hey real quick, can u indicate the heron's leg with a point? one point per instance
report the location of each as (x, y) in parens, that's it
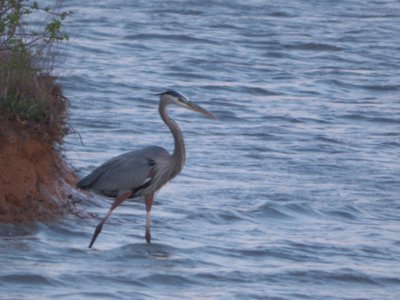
(149, 202)
(120, 198)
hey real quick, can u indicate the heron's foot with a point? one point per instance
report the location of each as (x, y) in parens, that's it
(148, 237)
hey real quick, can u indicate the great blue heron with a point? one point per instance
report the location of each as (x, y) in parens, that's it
(142, 172)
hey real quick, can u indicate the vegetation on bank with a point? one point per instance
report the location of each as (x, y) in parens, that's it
(35, 182)
(29, 94)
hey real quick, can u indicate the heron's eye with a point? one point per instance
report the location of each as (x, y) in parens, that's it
(181, 100)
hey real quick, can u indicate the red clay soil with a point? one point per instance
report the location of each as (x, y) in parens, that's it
(34, 179)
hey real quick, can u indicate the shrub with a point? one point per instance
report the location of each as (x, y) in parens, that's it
(28, 93)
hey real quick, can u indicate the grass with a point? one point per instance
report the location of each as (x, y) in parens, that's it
(30, 97)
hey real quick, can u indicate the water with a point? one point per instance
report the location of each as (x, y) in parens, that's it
(292, 194)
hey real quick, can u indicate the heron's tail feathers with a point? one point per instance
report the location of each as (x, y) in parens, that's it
(88, 181)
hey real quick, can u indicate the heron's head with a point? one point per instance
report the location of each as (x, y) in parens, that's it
(173, 97)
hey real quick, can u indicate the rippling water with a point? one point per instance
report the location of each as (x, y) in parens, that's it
(293, 194)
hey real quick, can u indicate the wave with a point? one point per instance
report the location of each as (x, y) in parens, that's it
(169, 37)
(312, 47)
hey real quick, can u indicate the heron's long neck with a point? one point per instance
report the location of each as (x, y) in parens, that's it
(178, 156)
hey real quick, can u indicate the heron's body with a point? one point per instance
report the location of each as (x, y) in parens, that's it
(141, 172)
(134, 172)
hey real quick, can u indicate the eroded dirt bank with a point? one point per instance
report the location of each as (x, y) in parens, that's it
(35, 182)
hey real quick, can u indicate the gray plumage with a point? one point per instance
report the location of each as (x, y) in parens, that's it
(142, 172)
(127, 172)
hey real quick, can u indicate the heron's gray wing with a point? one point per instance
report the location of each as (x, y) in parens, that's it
(125, 172)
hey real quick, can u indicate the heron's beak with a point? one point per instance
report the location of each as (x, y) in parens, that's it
(193, 106)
